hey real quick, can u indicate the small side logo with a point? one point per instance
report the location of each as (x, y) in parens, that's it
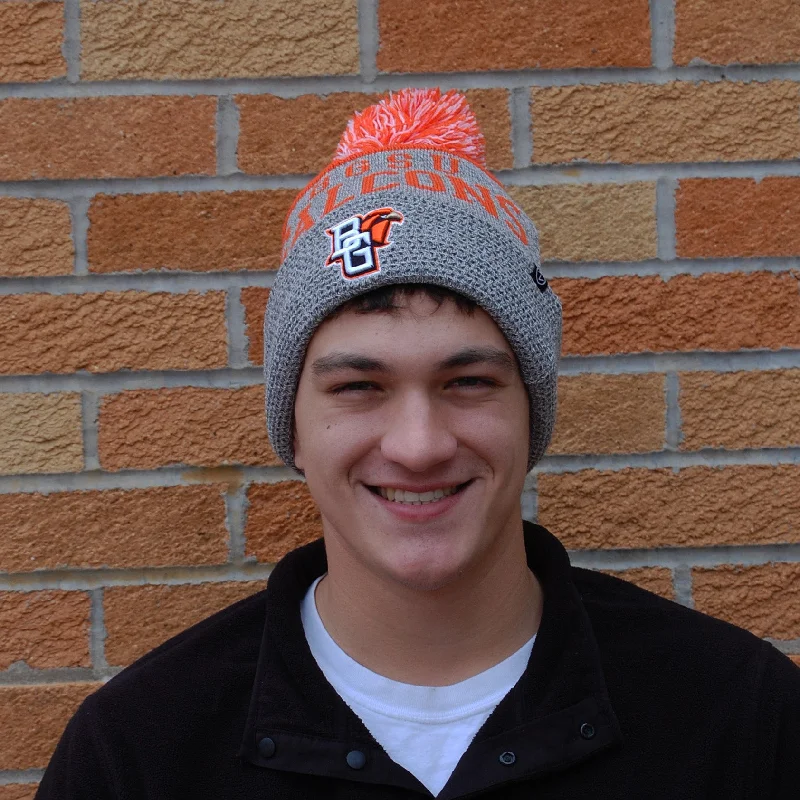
(539, 279)
(355, 241)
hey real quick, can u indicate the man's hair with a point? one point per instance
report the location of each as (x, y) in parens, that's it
(388, 298)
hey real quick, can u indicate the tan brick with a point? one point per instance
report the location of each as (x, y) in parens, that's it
(737, 217)
(35, 237)
(105, 137)
(655, 579)
(148, 428)
(713, 311)
(30, 41)
(139, 618)
(197, 232)
(610, 414)
(728, 32)
(40, 433)
(32, 719)
(44, 629)
(695, 507)
(198, 39)
(254, 300)
(740, 409)
(796, 660)
(162, 526)
(281, 516)
(18, 791)
(592, 222)
(437, 36)
(112, 331)
(678, 121)
(765, 599)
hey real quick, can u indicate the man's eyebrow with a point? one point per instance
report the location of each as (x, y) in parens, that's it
(334, 362)
(479, 355)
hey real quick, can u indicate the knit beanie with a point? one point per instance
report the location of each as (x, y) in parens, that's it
(408, 199)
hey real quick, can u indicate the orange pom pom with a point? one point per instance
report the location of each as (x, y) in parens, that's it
(416, 118)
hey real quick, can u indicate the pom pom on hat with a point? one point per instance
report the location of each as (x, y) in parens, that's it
(416, 118)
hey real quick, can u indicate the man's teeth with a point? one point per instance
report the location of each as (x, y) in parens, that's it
(401, 496)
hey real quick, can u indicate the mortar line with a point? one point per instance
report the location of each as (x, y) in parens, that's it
(672, 434)
(368, 40)
(41, 677)
(90, 409)
(665, 218)
(9, 777)
(519, 106)
(227, 127)
(235, 515)
(662, 21)
(665, 269)
(238, 342)
(97, 636)
(71, 47)
(683, 585)
(79, 223)
(790, 647)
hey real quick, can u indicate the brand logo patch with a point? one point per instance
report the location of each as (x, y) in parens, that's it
(355, 241)
(539, 279)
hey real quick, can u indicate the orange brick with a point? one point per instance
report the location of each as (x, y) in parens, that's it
(281, 517)
(740, 409)
(695, 507)
(105, 137)
(713, 311)
(148, 428)
(139, 618)
(500, 34)
(112, 331)
(796, 660)
(610, 414)
(30, 41)
(592, 222)
(655, 579)
(44, 629)
(197, 232)
(728, 32)
(765, 599)
(679, 121)
(722, 217)
(18, 791)
(41, 433)
(254, 300)
(300, 135)
(32, 719)
(162, 526)
(35, 236)
(198, 39)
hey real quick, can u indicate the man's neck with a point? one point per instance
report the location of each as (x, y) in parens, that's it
(433, 638)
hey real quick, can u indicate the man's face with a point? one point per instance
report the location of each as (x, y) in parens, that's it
(425, 400)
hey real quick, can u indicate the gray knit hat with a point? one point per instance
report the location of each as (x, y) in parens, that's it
(408, 200)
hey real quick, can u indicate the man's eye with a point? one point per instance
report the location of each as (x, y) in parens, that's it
(354, 386)
(473, 381)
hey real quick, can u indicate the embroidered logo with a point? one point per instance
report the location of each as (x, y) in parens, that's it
(355, 241)
(539, 279)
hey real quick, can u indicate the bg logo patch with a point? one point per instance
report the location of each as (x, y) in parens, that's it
(355, 241)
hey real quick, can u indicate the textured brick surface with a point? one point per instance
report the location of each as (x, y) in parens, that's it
(112, 331)
(678, 121)
(728, 31)
(695, 507)
(722, 311)
(740, 409)
(254, 299)
(280, 517)
(447, 36)
(300, 135)
(163, 526)
(765, 599)
(105, 137)
(198, 39)
(655, 579)
(18, 791)
(592, 222)
(609, 414)
(44, 629)
(197, 232)
(34, 237)
(147, 428)
(30, 42)
(40, 433)
(796, 660)
(139, 618)
(737, 217)
(32, 719)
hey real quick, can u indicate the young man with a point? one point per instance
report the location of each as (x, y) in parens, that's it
(434, 644)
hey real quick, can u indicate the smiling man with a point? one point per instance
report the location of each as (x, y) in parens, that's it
(433, 643)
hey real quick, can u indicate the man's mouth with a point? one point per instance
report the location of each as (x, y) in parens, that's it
(417, 498)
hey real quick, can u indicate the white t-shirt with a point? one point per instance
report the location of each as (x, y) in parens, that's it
(425, 729)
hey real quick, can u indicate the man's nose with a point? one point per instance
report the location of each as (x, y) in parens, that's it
(417, 435)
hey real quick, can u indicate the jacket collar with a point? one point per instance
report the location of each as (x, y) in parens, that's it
(558, 714)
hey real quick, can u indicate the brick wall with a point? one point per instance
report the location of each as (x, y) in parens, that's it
(148, 154)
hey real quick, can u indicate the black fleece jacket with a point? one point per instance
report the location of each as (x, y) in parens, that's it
(626, 695)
